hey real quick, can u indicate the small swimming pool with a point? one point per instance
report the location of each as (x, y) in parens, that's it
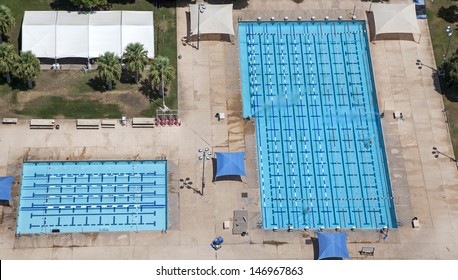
(92, 196)
(321, 158)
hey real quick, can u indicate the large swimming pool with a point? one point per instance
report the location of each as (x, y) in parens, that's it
(92, 196)
(321, 159)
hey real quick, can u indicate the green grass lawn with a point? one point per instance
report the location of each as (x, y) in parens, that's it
(443, 13)
(53, 106)
(78, 84)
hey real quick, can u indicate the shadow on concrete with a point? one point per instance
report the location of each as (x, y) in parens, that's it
(186, 183)
(316, 249)
(371, 23)
(238, 4)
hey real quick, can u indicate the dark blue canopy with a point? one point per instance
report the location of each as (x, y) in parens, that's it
(230, 164)
(5, 187)
(332, 245)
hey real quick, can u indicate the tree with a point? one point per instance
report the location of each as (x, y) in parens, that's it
(89, 3)
(109, 69)
(8, 58)
(7, 21)
(27, 67)
(136, 59)
(450, 68)
(161, 72)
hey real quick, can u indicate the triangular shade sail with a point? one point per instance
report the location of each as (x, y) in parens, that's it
(5, 187)
(213, 19)
(230, 164)
(395, 18)
(332, 245)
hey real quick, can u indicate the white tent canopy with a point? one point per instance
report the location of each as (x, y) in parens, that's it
(211, 19)
(63, 34)
(395, 18)
(41, 33)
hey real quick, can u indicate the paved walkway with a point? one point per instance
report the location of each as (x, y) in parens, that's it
(209, 82)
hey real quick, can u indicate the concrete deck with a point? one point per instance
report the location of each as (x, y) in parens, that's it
(209, 82)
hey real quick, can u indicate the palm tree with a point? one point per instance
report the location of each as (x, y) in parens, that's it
(108, 68)
(162, 72)
(27, 67)
(136, 59)
(8, 58)
(7, 21)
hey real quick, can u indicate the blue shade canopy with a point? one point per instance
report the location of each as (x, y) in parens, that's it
(230, 164)
(5, 187)
(332, 245)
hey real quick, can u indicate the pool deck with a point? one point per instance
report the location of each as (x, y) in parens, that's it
(423, 186)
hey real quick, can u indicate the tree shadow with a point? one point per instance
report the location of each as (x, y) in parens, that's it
(5, 38)
(238, 4)
(63, 5)
(16, 84)
(152, 93)
(451, 93)
(128, 77)
(97, 84)
(449, 14)
(122, 2)
(170, 4)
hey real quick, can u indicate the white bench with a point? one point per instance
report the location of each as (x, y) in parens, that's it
(87, 124)
(367, 251)
(108, 123)
(143, 122)
(9, 121)
(42, 123)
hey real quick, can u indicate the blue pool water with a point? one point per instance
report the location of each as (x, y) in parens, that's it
(92, 196)
(321, 159)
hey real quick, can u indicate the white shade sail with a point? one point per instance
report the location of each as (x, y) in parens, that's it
(213, 19)
(395, 18)
(61, 34)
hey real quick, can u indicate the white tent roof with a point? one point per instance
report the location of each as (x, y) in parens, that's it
(105, 33)
(395, 18)
(38, 30)
(213, 19)
(138, 27)
(72, 34)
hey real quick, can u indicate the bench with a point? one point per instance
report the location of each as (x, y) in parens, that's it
(87, 124)
(367, 251)
(42, 123)
(143, 122)
(9, 121)
(108, 123)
